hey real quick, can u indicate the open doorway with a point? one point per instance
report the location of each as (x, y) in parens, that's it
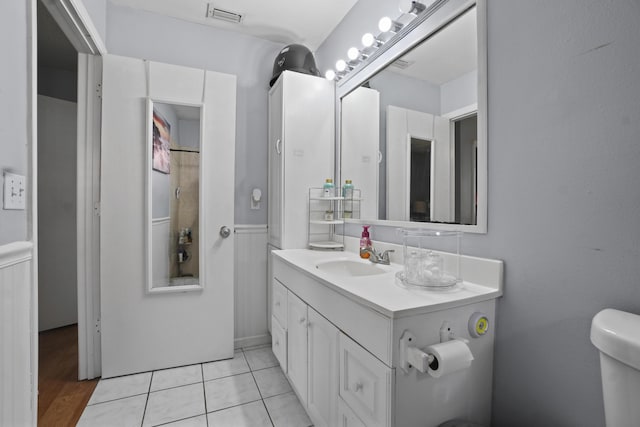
(61, 106)
(420, 180)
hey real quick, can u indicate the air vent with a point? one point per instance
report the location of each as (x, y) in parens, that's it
(224, 15)
(402, 64)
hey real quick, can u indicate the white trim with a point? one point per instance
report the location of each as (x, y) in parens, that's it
(15, 253)
(88, 219)
(460, 113)
(252, 341)
(32, 187)
(250, 228)
(75, 22)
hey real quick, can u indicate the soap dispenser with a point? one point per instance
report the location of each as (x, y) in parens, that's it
(365, 242)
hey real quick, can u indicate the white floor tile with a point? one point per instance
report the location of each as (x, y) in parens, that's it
(200, 421)
(174, 404)
(117, 388)
(225, 368)
(271, 381)
(176, 377)
(251, 414)
(122, 413)
(230, 391)
(286, 411)
(261, 358)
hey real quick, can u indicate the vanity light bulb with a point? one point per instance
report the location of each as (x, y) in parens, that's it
(353, 53)
(384, 24)
(330, 75)
(341, 65)
(367, 40)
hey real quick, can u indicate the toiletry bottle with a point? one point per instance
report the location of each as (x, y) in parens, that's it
(365, 241)
(347, 189)
(328, 188)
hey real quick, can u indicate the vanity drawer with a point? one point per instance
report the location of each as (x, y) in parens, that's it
(346, 417)
(279, 342)
(279, 303)
(365, 383)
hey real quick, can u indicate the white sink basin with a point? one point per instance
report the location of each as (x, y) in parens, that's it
(351, 268)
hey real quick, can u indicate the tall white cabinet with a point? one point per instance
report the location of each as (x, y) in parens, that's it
(301, 155)
(301, 147)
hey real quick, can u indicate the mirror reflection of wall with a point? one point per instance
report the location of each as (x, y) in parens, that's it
(175, 195)
(427, 106)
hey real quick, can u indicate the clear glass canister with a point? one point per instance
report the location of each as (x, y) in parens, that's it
(431, 258)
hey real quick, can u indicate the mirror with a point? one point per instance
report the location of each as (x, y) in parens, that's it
(174, 196)
(413, 125)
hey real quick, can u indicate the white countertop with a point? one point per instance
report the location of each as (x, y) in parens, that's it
(382, 293)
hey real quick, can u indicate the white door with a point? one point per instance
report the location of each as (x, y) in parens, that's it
(144, 330)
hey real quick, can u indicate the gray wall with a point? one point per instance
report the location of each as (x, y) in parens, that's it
(13, 111)
(564, 196)
(147, 35)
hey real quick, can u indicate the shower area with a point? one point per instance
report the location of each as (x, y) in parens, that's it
(176, 195)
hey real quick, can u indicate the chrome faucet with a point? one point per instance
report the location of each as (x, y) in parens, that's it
(377, 257)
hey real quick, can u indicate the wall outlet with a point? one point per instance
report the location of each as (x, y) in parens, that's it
(15, 191)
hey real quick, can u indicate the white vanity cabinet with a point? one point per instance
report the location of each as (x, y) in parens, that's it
(301, 147)
(343, 339)
(307, 351)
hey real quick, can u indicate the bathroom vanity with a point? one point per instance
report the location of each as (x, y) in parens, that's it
(339, 330)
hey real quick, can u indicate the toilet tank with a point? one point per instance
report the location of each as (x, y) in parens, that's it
(617, 335)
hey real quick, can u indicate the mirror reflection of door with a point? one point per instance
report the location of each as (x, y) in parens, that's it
(175, 195)
(420, 180)
(466, 147)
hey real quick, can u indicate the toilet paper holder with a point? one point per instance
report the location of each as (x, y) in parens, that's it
(412, 356)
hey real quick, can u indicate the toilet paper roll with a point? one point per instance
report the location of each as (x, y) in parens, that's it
(449, 356)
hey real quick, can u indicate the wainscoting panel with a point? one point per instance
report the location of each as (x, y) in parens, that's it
(251, 285)
(15, 335)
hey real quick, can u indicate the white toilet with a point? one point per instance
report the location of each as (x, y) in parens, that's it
(617, 335)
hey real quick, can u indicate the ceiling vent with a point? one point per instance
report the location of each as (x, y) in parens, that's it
(224, 15)
(402, 64)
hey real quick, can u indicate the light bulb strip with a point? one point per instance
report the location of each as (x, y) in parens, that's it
(389, 29)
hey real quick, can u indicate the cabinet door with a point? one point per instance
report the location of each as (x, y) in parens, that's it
(365, 383)
(297, 345)
(322, 399)
(276, 163)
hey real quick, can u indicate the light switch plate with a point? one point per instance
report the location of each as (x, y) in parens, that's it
(15, 191)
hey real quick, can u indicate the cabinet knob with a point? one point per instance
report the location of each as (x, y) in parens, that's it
(279, 146)
(302, 320)
(358, 387)
(277, 343)
(277, 303)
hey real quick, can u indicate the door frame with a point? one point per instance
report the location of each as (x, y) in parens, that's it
(75, 22)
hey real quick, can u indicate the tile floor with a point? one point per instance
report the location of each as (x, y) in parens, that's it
(249, 390)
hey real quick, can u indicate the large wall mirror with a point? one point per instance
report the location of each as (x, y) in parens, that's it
(174, 204)
(413, 123)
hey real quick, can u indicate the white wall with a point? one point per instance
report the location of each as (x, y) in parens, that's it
(57, 285)
(13, 110)
(564, 195)
(147, 35)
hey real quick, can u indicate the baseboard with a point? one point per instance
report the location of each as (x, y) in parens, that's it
(252, 341)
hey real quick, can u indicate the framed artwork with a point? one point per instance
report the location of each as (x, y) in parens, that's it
(161, 138)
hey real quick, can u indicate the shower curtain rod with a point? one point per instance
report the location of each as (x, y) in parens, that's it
(184, 151)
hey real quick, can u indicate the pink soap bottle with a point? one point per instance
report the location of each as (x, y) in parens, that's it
(365, 242)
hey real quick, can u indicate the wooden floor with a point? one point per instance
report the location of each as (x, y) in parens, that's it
(61, 397)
